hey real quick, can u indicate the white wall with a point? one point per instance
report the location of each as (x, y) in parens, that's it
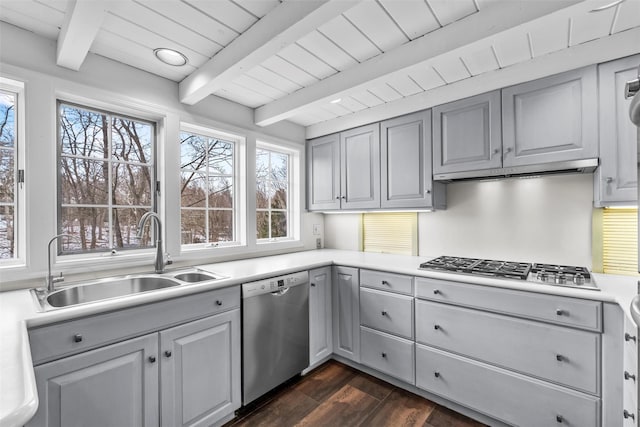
(546, 219)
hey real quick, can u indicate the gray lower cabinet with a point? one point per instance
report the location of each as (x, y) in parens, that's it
(551, 119)
(320, 315)
(112, 386)
(615, 181)
(200, 371)
(406, 165)
(630, 385)
(178, 369)
(346, 312)
(467, 134)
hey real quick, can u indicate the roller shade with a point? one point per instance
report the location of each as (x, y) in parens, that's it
(393, 233)
(620, 241)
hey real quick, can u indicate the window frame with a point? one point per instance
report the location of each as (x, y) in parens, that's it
(153, 164)
(294, 183)
(17, 89)
(239, 191)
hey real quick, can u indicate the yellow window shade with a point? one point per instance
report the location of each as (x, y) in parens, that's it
(620, 241)
(393, 233)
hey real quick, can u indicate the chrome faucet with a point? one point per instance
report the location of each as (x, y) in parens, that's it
(160, 262)
(51, 281)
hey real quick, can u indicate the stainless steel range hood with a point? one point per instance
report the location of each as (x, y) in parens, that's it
(573, 166)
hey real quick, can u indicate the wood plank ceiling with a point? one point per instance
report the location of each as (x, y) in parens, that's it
(369, 54)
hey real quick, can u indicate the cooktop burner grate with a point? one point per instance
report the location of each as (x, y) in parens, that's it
(485, 267)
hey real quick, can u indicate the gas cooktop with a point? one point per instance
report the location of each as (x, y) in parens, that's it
(548, 274)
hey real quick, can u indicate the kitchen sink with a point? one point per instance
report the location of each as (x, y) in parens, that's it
(194, 277)
(110, 288)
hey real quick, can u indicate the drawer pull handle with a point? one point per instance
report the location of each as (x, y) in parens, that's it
(560, 358)
(167, 353)
(384, 282)
(560, 312)
(436, 327)
(384, 312)
(218, 302)
(628, 376)
(152, 359)
(626, 414)
(384, 355)
(436, 291)
(436, 374)
(559, 419)
(629, 337)
(77, 338)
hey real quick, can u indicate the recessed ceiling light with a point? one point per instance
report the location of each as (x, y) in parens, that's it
(607, 6)
(170, 56)
(335, 101)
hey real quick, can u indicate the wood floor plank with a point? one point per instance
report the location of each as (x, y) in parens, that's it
(324, 382)
(444, 417)
(347, 407)
(287, 409)
(401, 409)
(371, 385)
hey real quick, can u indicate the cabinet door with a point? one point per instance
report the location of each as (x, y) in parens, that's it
(360, 166)
(323, 164)
(320, 330)
(467, 134)
(346, 313)
(200, 370)
(551, 119)
(616, 178)
(111, 386)
(405, 151)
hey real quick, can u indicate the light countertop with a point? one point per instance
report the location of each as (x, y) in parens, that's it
(19, 310)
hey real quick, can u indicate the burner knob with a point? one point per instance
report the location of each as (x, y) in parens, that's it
(561, 279)
(542, 276)
(578, 279)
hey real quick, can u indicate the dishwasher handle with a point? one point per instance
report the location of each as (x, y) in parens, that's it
(280, 292)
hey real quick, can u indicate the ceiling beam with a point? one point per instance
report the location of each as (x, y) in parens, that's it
(596, 51)
(495, 19)
(80, 27)
(285, 24)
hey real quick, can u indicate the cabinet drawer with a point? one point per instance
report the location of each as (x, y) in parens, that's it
(56, 340)
(388, 354)
(387, 281)
(387, 312)
(574, 312)
(532, 348)
(507, 396)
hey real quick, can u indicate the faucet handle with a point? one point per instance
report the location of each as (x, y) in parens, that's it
(167, 259)
(58, 279)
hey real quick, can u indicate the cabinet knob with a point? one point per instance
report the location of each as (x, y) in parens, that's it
(559, 419)
(629, 337)
(218, 302)
(384, 312)
(507, 151)
(628, 376)
(152, 359)
(167, 353)
(626, 414)
(313, 285)
(560, 312)
(428, 191)
(436, 292)
(436, 327)
(608, 179)
(560, 358)
(436, 374)
(384, 355)
(344, 197)
(496, 150)
(337, 197)
(77, 338)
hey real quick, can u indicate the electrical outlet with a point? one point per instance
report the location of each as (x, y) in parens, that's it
(318, 243)
(316, 229)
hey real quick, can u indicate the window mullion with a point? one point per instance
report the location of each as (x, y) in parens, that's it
(110, 211)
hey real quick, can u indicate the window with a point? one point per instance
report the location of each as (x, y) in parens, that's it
(273, 214)
(8, 175)
(393, 233)
(619, 240)
(106, 176)
(208, 190)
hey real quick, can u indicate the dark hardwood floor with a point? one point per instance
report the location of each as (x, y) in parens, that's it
(338, 395)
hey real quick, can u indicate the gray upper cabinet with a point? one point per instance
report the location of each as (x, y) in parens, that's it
(360, 166)
(467, 134)
(323, 163)
(615, 181)
(406, 172)
(551, 119)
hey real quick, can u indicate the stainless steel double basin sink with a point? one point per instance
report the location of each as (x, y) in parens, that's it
(115, 287)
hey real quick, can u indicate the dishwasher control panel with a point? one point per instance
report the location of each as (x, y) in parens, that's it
(274, 284)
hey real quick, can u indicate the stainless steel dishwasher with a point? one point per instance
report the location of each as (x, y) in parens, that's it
(275, 332)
